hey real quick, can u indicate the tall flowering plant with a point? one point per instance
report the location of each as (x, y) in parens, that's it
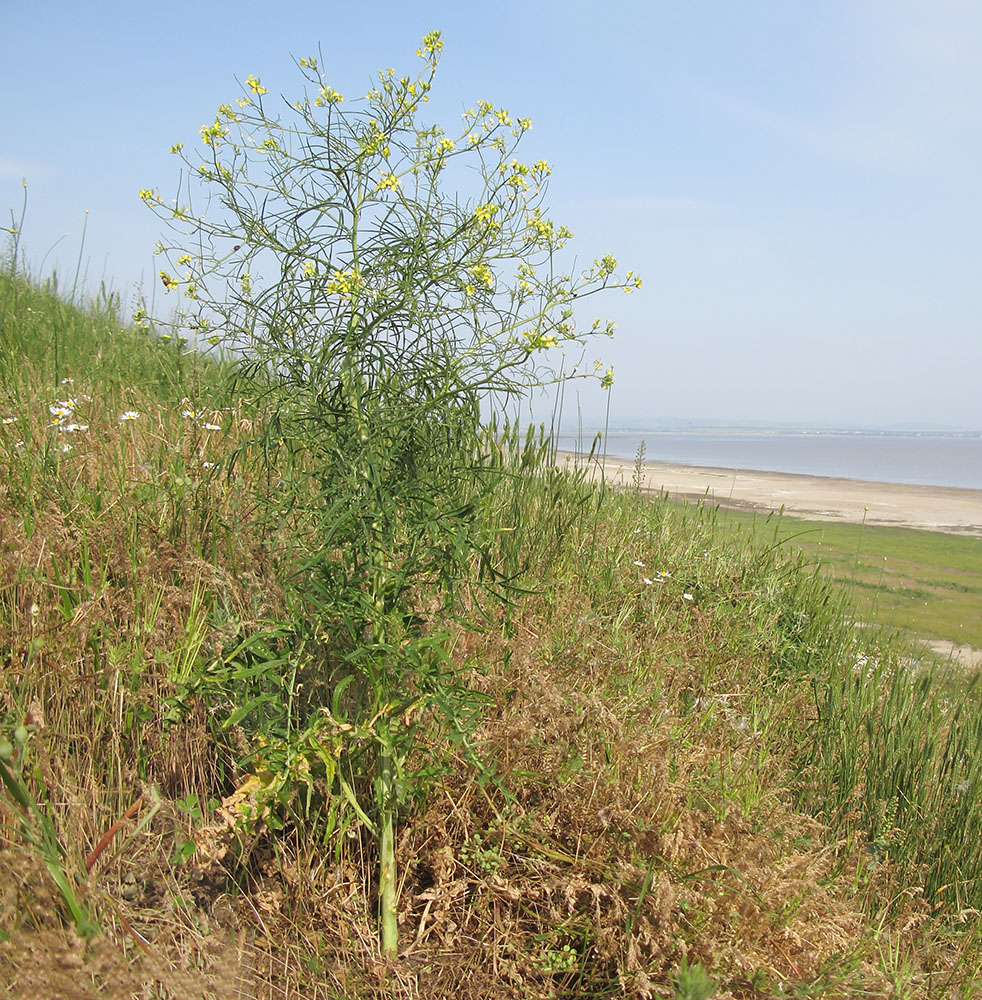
(390, 283)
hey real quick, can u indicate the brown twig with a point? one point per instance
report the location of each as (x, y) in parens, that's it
(136, 935)
(110, 833)
(524, 628)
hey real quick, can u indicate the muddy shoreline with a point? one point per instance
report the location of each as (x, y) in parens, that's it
(824, 498)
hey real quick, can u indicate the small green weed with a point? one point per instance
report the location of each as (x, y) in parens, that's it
(692, 982)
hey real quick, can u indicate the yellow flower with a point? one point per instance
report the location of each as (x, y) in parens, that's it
(328, 95)
(147, 195)
(543, 230)
(212, 135)
(432, 44)
(389, 181)
(485, 212)
(345, 283)
(606, 265)
(482, 273)
(539, 341)
(253, 84)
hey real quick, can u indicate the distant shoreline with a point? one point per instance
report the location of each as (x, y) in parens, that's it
(953, 509)
(949, 459)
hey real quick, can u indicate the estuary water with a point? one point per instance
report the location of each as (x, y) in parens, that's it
(929, 459)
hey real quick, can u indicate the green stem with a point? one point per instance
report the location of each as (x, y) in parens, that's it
(387, 855)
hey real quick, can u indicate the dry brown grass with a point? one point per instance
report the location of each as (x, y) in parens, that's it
(610, 865)
(633, 811)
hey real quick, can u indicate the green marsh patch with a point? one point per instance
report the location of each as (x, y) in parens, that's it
(925, 583)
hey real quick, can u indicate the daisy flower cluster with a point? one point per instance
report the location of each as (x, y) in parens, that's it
(197, 416)
(65, 419)
(659, 577)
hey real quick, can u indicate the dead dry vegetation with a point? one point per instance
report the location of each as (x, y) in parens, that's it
(631, 814)
(623, 821)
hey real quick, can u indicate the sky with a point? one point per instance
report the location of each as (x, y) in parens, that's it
(798, 183)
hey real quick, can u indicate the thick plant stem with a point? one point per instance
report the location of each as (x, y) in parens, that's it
(387, 856)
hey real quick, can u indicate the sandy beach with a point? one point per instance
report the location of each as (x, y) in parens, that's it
(823, 498)
(934, 508)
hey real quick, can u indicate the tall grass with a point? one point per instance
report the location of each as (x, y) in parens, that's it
(894, 755)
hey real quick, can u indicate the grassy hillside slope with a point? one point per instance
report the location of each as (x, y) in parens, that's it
(686, 774)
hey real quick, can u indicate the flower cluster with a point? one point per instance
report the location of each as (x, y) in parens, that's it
(345, 283)
(199, 415)
(539, 341)
(543, 233)
(481, 273)
(606, 265)
(486, 213)
(432, 45)
(328, 95)
(212, 135)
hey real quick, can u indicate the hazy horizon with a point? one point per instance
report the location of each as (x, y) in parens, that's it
(680, 424)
